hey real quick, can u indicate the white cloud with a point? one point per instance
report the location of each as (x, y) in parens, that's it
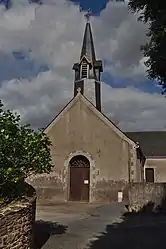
(37, 100)
(121, 36)
(51, 34)
(134, 110)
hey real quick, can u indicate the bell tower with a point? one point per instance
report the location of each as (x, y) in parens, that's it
(88, 70)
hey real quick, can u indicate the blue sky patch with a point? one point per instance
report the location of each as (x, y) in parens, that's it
(20, 66)
(95, 5)
(120, 82)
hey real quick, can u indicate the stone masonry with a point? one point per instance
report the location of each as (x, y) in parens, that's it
(17, 221)
(146, 195)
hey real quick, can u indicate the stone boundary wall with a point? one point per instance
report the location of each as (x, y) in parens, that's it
(146, 196)
(17, 221)
(107, 191)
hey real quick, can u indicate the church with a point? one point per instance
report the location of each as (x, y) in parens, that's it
(93, 159)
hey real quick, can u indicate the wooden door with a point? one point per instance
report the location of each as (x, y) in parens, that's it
(149, 174)
(79, 179)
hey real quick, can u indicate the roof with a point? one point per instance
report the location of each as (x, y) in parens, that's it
(88, 49)
(152, 143)
(88, 56)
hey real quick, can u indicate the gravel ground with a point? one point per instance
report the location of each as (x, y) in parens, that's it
(73, 225)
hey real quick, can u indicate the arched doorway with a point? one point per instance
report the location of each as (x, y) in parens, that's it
(79, 178)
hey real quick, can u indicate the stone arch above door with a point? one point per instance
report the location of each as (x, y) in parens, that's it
(66, 172)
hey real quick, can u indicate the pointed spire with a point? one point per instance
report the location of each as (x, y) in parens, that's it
(88, 69)
(88, 49)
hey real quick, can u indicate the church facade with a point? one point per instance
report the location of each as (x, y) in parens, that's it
(93, 159)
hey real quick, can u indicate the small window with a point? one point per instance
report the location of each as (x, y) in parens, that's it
(84, 70)
(149, 174)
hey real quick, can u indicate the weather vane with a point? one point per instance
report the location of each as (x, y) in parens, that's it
(88, 15)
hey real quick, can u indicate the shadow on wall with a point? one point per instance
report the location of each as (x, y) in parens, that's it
(43, 230)
(141, 230)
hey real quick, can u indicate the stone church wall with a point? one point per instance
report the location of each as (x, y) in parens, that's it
(80, 131)
(48, 186)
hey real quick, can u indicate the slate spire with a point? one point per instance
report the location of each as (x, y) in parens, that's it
(88, 69)
(88, 49)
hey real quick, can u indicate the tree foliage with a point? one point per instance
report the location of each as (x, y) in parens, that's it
(23, 151)
(153, 13)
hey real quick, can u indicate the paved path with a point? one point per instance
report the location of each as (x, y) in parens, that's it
(75, 226)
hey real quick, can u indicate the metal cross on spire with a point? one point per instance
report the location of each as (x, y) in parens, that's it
(88, 15)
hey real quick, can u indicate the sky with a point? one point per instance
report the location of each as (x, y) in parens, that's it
(95, 5)
(40, 43)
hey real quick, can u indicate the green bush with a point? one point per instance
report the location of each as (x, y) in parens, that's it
(23, 151)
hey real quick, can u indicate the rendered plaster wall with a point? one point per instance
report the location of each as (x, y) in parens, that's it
(159, 166)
